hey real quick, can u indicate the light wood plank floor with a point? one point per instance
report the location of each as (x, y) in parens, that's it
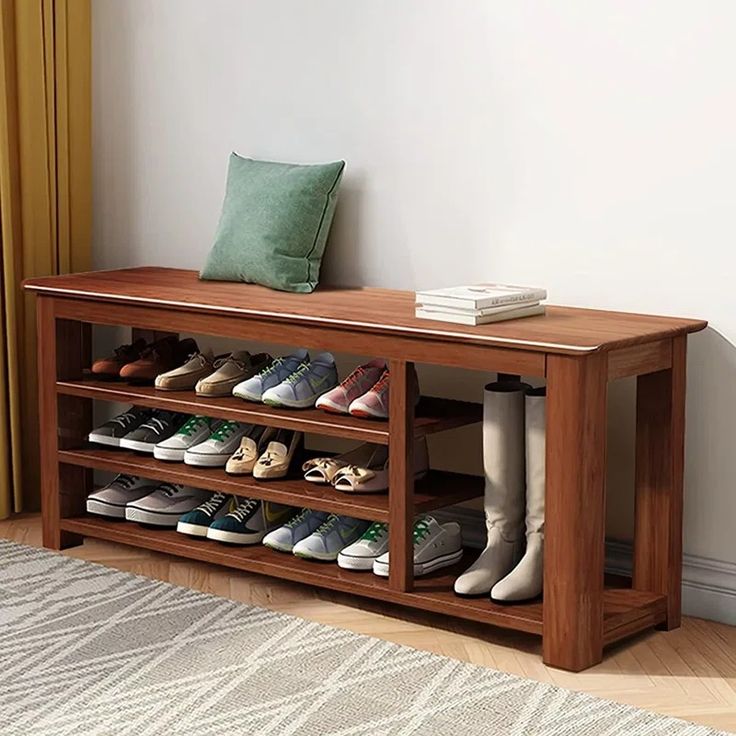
(689, 673)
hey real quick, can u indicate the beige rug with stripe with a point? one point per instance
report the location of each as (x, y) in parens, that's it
(88, 650)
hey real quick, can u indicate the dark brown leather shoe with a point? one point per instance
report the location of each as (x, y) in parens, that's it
(159, 357)
(110, 366)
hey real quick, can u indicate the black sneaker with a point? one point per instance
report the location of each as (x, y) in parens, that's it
(112, 431)
(158, 427)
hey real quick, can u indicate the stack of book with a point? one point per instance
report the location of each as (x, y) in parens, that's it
(480, 304)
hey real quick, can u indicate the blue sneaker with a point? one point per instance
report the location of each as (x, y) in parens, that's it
(197, 522)
(303, 387)
(252, 389)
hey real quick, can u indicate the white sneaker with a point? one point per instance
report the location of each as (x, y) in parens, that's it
(361, 555)
(165, 505)
(196, 430)
(112, 499)
(215, 451)
(303, 387)
(334, 535)
(252, 388)
(300, 527)
(435, 546)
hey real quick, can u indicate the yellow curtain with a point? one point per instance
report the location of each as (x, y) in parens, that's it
(45, 203)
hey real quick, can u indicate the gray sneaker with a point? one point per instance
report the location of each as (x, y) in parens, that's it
(253, 388)
(331, 538)
(113, 498)
(165, 505)
(300, 527)
(303, 387)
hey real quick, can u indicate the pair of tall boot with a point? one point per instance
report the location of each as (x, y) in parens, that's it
(511, 566)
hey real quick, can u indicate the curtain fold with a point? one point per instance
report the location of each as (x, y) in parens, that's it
(45, 203)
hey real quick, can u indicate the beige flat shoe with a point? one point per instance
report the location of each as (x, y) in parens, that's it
(372, 476)
(251, 446)
(280, 452)
(185, 377)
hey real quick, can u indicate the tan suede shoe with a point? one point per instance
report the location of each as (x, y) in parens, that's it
(231, 370)
(275, 462)
(251, 446)
(185, 377)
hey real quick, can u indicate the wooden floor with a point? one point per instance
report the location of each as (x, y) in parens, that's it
(689, 673)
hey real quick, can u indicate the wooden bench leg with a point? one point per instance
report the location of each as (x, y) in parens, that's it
(401, 478)
(660, 447)
(63, 350)
(574, 539)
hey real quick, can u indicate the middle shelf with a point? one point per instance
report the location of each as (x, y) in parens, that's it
(432, 414)
(436, 490)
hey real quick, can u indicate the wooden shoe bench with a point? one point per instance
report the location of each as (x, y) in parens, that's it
(577, 351)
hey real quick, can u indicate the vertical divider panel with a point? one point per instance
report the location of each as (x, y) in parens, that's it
(401, 477)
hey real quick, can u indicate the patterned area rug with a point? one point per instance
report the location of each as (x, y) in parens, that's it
(88, 650)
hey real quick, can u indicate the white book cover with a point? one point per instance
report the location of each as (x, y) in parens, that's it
(465, 319)
(480, 296)
(466, 312)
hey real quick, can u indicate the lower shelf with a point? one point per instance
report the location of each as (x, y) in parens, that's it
(626, 611)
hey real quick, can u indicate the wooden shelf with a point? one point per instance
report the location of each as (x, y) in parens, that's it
(432, 414)
(436, 490)
(624, 609)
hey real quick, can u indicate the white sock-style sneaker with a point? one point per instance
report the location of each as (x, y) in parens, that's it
(435, 546)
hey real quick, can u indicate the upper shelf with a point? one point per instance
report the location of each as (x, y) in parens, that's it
(363, 310)
(432, 414)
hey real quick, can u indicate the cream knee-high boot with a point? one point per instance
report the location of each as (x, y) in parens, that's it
(503, 463)
(525, 580)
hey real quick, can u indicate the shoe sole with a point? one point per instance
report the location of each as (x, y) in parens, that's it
(221, 535)
(343, 489)
(169, 454)
(192, 530)
(206, 461)
(155, 518)
(217, 393)
(315, 557)
(101, 439)
(361, 564)
(102, 508)
(278, 548)
(330, 407)
(137, 445)
(238, 472)
(302, 404)
(247, 397)
(366, 414)
(423, 568)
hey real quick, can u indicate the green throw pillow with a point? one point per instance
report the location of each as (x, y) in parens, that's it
(274, 223)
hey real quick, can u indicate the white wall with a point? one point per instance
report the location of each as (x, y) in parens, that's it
(585, 146)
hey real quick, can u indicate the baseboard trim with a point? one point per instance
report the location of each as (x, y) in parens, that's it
(708, 585)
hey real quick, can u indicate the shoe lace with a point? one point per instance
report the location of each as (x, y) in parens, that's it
(354, 377)
(158, 424)
(298, 519)
(124, 480)
(213, 503)
(169, 489)
(377, 530)
(229, 359)
(268, 370)
(382, 382)
(124, 418)
(298, 373)
(245, 509)
(421, 530)
(224, 430)
(123, 350)
(193, 425)
(328, 525)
